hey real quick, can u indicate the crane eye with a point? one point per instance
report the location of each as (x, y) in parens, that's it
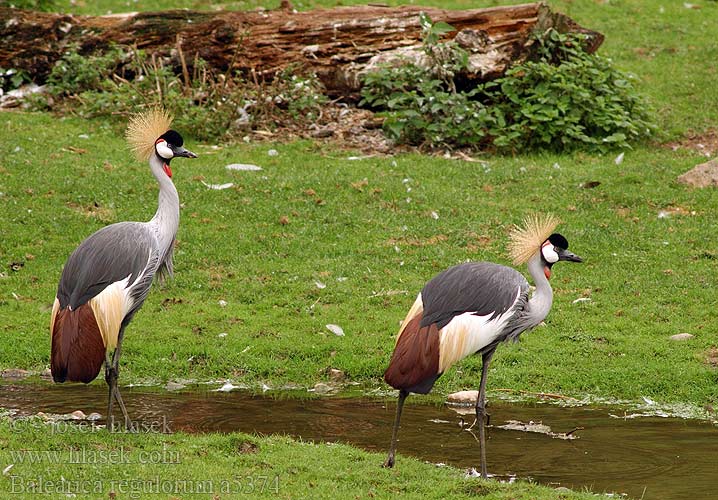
(549, 253)
(163, 150)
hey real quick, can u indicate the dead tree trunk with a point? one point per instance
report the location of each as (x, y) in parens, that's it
(337, 44)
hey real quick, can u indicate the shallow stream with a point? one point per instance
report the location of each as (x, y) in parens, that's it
(646, 457)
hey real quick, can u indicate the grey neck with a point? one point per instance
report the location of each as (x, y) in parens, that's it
(540, 302)
(166, 219)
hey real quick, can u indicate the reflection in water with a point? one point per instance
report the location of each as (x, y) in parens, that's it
(649, 457)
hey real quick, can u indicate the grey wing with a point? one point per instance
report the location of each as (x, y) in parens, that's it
(111, 254)
(166, 269)
(483, 288)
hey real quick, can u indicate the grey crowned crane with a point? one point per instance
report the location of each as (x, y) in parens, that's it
(107, 278)
(470, 309)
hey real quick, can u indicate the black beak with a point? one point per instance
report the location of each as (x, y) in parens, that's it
(180, 151)
(568, 256)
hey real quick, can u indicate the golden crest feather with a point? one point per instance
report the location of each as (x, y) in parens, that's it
(144, 129)
(526, 240)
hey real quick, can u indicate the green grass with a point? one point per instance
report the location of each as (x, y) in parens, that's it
(93, 464)
(647, 277)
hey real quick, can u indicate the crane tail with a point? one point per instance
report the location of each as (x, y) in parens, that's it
(414, 365)
(78, 350)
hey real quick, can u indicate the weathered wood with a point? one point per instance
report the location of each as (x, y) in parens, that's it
(335, 43)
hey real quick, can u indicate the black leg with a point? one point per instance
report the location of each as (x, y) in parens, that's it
(111, 393)
(112, 372)
(395, 432)
(481, 408)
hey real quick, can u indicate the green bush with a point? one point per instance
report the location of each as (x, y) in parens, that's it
(74, 73)
(421, 110)
(122, 80)
(11, 78)
(564, 99)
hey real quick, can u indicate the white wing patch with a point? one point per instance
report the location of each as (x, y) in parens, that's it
(416, 308)
(110, 307)
(468, 333)
(55, 308)
(112, 304)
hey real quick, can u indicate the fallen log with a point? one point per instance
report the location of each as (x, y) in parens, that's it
(337, 44)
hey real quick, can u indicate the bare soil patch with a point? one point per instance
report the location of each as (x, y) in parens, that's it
(711, 357)
(704, 143)
(339, 124)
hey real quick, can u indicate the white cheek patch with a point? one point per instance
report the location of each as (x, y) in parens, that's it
(164, 151)
(549, 254)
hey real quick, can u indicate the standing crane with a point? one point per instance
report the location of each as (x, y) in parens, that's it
(107, 278)
(470, 309)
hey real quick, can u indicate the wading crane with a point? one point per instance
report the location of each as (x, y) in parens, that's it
(470, 309)
(107, 278)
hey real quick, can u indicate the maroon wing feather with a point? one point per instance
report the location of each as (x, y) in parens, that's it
(414, 366)
(77, 348)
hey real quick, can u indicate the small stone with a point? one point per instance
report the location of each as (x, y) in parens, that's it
(174, 386)
(336, 330)
(336, 375)
(243, 167)
(78, 415)
(222, 303)
(321, 388)
(218, 187)
(703, 175)
(681, 336)
(227, 387)
(94, 416)
(273, 152)
(472, 472)
(463, 398)
(15, 373)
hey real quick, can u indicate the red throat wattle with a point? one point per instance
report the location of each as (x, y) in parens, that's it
(547, 272)
(167, 170)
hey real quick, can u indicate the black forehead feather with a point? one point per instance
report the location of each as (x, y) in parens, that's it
(559, 241)
(172, 137)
